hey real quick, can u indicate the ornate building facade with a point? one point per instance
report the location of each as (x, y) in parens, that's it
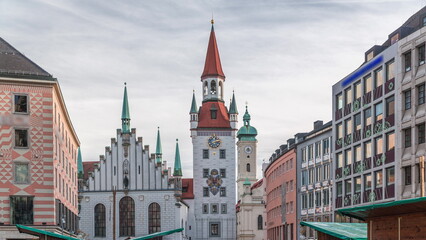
(213, 129)
(38, 149)
(130, 191)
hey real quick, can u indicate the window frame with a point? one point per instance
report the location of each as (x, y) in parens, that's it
(28, 176)
(27, 103)
(206, 154)
(27, 138)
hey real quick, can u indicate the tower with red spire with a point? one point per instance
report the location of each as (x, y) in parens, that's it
(213, 132)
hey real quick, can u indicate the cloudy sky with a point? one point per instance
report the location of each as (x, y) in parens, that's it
(282, 57)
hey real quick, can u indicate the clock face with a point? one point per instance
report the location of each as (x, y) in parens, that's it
(248, 149)
(214, 141)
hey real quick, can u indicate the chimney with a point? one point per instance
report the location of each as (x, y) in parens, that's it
(318, 124)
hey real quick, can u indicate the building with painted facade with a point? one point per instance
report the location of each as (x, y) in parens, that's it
(251, 205)
(281, 191)
(38, 149)
(314, 163)
(213, 131)
(131, 192)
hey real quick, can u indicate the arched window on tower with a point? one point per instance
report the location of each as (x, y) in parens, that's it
(213, 87)
(220, 90)
(259, 222)
(100, 220)
(248, 167)
(154, 218)
(127, 216)
(205, 88)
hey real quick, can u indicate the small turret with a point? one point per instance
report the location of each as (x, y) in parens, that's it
(193, 113)
(125, 114)
(233, 112)
(80, 169)
(178, 167)
(158, 150)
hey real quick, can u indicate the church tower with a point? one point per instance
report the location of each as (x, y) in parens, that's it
(247, 148)
(213, 130)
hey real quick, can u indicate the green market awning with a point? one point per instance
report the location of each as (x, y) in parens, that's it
(347, 231)
(159, 234)
(405, 206)
(42, 234)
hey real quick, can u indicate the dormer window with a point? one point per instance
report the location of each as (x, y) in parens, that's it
(370, 56)
(394, 38)
(213, 112)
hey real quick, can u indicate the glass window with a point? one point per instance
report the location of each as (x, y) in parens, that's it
(378, 176)
(304, 177)
(205, 173)
(421, 51)
(326, 146)
(214, 208)
(311, 200)
(407, 137)
(378, 145)
(390, 176)
(390, 106)
(367, 181)
(378, 111)
(304, 155)
(318, 149)
(407, 61)
(367, 117)
(205, 153)
(421, 94)
(326, 197)
(326, 173)
(348, 96)
(348, 186)
(368, 84)
(339, 190)
(357, 122)
(339, 161)
(407, 99)
(310, 152)
(205, 191)
(222, 173)
(205, 208)
(357, 90)
(223, 191)
(22, 173)
(21, 138)
(357, 153)
(100, 220)
(390, 141)
(223, 208)
(390, 70)
(348, 157)
(127, 216)
(348, 126)
(407, 171)
(357, 184)
(339, 101)
(259, 222)
(214, 229)
(378, 78)
(21, 210)
(339, 131)
(21, 103)
(318, 198)
(222, 154)
(248, 167)
(421, 133)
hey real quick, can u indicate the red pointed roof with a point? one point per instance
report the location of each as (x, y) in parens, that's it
(212, 66)
(222, 118)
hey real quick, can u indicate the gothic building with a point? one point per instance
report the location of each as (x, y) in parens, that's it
(130, 192)
(213, 133)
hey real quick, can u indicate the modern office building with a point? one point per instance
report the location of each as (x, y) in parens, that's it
(38, 150)
(314, 165)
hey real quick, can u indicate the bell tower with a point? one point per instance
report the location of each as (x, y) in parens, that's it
(247, 149)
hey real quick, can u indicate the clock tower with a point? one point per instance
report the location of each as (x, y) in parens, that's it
(247, 146)
(213, 133)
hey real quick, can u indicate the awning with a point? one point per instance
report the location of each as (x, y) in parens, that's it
(41, 233)
(405, 206)
(347, 231)
(159, 234)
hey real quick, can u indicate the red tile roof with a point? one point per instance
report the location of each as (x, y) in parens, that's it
(222, 118)
(88, 167)
(212, 66)
(188, 184)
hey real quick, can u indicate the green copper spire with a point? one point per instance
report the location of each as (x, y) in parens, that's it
(80, 165)
(125, 114)
(178, 168)
(158, 151)
(233, 107)
(247, 132)
(194, 104)
(246, 182)
(246, 118)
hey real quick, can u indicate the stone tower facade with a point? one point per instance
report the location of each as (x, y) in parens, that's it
(247, 148)
(213, 130)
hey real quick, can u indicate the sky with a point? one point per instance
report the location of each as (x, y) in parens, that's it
(280, 57)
